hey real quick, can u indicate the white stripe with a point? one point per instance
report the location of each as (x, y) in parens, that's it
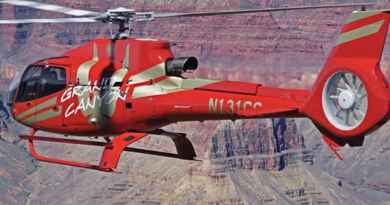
(60, 20)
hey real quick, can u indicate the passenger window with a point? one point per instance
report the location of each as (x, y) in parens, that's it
(39, 81)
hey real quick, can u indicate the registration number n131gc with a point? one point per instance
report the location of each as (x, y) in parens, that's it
(232, 106)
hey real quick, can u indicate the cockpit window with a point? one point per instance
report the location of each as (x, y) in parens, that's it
(13, 88)
(39, 81)
(53, 80)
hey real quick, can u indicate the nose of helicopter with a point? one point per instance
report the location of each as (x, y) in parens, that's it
(12, 89)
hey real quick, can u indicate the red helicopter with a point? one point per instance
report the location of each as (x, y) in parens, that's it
(130, 87)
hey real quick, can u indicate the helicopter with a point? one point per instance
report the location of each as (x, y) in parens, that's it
(133, 87)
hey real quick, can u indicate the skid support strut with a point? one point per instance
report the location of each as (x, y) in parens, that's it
(109, 159)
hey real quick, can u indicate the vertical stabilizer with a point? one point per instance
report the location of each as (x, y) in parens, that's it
(350, 97)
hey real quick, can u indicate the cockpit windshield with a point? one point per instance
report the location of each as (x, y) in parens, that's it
(39, 81)
(13, 88)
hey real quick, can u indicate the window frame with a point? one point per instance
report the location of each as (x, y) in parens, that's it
(40, 90)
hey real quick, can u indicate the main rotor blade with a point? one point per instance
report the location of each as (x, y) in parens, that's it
(59, 20)
(51, 7)
(230, 12)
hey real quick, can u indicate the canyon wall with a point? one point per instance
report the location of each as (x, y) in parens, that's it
(280, 161)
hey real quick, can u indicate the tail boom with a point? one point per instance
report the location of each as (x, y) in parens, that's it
(231, 100)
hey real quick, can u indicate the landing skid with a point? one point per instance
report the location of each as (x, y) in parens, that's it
(112, 150)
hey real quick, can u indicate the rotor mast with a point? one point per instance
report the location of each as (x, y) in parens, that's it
(125, 19)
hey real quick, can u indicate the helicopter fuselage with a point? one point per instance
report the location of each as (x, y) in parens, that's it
(132, 87)
(109, 87)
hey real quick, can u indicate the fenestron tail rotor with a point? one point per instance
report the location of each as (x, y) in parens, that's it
(124, 17)
(345, 101)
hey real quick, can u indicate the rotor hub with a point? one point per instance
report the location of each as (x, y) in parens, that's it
(346, 99)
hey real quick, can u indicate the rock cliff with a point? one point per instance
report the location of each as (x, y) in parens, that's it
(243, 162)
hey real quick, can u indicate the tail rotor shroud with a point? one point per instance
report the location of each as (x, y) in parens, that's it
(350, 98)
(345, 100)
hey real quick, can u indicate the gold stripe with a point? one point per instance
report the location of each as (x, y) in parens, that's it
(109, 50)
(126, 61)
(169, 85)
(118, 76)
(37, 108)
(359, 15)
(84, 69)
(360, 32)
(95, 52)
(196, 83)
(83, 72)
(43, 116)
(83, 78)
(95, 114)
(147, 91)
(149, 74)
